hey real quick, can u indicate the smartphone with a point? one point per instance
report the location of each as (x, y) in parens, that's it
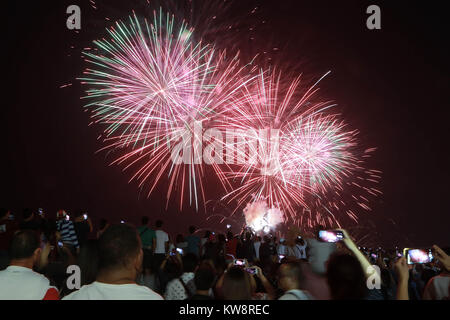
(252, 270)
(40, 211)
(180, 251)
(281, 257)
(122, 221)
(239, 262)
(330, 235)
(85, 216)
(374, 255)
(228, 226)
(418, 256)
(60, 244)
(67, 217)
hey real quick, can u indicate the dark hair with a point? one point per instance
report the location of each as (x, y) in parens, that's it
(179, 238)
(3, 212)
(144, 220)
(204, 277)
(236, 285)
(27, 213)
(230, 235)
(103, 223)
(190, 262)
(346, 278)
(207, 234)
(192, 229)
(293, 270)
(221, 238)
(87, 260)
(117, 246)
(23, 244)
(158, 223)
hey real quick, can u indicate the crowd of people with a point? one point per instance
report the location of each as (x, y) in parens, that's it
(121, 261)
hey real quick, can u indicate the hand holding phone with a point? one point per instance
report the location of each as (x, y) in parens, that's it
(240, 262)
(331, 235)
(418, 256)
(252, 270)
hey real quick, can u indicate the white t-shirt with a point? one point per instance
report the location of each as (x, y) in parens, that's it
(175, 289)
(161, 239)
(298, 251)
(20, 283)
(106, 291)
(257, 245)
(296, 295)
(282, 249)
(438, 288)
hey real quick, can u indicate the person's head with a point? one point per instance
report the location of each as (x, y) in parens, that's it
(237, 284)
(248, 236)
(119, 249)
(87, 260)
(27, 214)
(192, 229)
(158, 224)
(300, 241)
(144, 221)
(190, 262)
(179, 238)
(24, 248)
(207, 234)
(204, 277)
(61, 214)
(4, 214)
(173, 267)
(258, 239)
(290, 276)
(266, 239)
(221, 238)
(346, 278)
(230, 235)
(103, 224)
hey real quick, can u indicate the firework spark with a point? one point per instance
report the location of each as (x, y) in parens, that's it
(304, 157)
(150, 82)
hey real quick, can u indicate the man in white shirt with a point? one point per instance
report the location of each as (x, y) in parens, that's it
(19, 281)
(183, 287)
(282, 248)
(120, 263)
(290, 280)
(298, 250)
(162, 245)
(257, 244)
(438, 287)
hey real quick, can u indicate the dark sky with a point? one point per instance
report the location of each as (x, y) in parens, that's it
(391, 84)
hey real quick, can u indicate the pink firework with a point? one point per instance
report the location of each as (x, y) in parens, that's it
(148, 84)
(301, 157)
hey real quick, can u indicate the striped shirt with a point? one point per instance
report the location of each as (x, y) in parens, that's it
(68, 234)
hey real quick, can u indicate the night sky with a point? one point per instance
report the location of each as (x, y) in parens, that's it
(390, 84)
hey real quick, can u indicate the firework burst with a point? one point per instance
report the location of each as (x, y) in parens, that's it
(303, 156)
(148, 85)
